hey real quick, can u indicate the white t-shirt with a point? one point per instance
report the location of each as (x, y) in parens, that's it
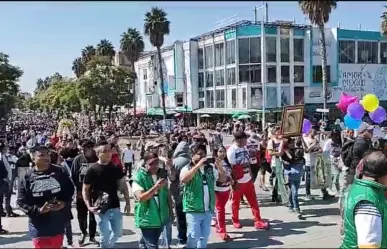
(127, 155)
(136, 187)
(310, 158)
(206, 193)
(368, 223)
(237, 155)
(227, 171)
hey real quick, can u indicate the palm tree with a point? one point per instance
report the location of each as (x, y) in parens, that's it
(132, 44)
(88, 53)
(318, 12)
(78, 67)
(105, 48)
(156, 27)
(383, 26)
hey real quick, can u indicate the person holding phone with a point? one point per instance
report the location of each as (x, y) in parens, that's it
(153, 203)
(199, 179)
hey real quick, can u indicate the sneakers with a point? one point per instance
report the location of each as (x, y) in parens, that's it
(261, 225)
(237, 225)
(213, 222)
(309, 197)
(82, 239)
(93, 241)
(328, 196)
(224, 236)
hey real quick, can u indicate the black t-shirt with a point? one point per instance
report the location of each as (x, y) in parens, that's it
(104, 180)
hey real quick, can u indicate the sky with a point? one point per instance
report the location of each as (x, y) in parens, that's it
(45, 37)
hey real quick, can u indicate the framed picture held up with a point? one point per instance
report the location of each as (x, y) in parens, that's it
(292, 119)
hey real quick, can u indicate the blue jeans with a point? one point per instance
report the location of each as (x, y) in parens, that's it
(150, 238)
(198, 229)
(294, 185)
(109, 227)
(166, 235)
(307, 180)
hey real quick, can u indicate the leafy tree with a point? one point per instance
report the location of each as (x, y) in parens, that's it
(43, 84)
(132, 45)
(156, 27)
(9, 87)
(318, 12)
(78, 67)
(88, 53)
(383, 26)
(105, 48)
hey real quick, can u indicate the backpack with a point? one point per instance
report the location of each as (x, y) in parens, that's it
(347, 152)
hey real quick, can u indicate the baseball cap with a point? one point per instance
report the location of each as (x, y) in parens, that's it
(365, 127)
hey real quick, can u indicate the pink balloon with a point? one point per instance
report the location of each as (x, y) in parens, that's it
(345, 101)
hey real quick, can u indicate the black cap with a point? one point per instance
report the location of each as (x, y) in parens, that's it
(239, 135)
(38, 148)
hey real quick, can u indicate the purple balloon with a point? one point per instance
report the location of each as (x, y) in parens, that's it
(356, 111)
(306, 126)
(379, 115)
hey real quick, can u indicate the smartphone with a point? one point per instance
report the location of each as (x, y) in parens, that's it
(210, 160)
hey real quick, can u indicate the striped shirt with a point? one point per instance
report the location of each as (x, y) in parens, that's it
(368, 223)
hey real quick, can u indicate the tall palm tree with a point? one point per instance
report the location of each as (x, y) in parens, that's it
(156, 27)
(78, 67)
(132, 44)
(383, 26)
(318, 12)
(88, 53)
(105, 48)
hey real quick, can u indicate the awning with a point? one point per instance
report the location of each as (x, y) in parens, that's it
(157, 111)
(182, 109)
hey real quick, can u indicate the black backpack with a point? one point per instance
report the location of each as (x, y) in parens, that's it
(347, 152)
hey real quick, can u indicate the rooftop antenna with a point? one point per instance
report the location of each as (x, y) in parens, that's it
(338, 24)
(359, 26)
(294, 20)
(227, 21)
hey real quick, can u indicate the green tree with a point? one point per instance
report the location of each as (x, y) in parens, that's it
(78, 67)
(156, 27)
(106, 48)
(88, 53)
(9, 87)
(383, 26)
(318, 12)
(132, 45)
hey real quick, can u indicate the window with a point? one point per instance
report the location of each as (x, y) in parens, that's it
(284, 31)
(285, 95)
(201, 80)
(201, 94)
(271, 49)
(233, 98)
(271, 97)
(230, 73)
(200, 58)
(285, 53)
(244, 98)
(298, 49)
(347, 51)
(285, 74)
(383, 52)
(317, 74)
(219, 77)
(271, 74)
(367, 52)
(219, 52)
(298, 95)
(220, 98)
(145, 74)
(210, 98)
(209, 79)
(230, 52)
(256, 98)
(201, 104)
(244, 74)
(244, 53)
(208, 51)
(255, 74)
(255, 50)
(149, 101)
(299, 74)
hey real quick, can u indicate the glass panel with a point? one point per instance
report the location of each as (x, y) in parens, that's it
(210, 99)
(244, 74)
(298, 45)
(255, 50)
(299, 74)
(220, 98)
(317, 74)
(230, 76)
(201, 80)
(209, 79)
(271, 49)
(256, 97)
(285, 53)
(201, 104)
(201, 94)
(244, 50)
(383, 52)
(367, 52)
(219, 77)
(255, 74)
(244, 98)
(219, 52)
(347, 51)
(271, 74)
(285, 95)
(234, 98)
(230, 52)
(285, 74)
(209, 56)
(298, 95)
(271, 97)
(200, 58)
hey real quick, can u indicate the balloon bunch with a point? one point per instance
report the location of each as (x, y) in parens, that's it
(356, 109)
(306, 126)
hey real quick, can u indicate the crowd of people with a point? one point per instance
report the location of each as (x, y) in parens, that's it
(187, 178)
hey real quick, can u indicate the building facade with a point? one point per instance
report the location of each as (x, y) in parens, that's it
(222, 71)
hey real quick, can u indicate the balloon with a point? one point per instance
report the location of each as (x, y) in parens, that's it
(356, 110)
(351, 123)
(306, 126)
(370, 102)
(379, 115)
(345, 101)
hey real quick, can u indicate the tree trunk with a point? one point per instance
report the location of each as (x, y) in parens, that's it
(162, 86)
(134, 90)
(324, 69)
(110, 113)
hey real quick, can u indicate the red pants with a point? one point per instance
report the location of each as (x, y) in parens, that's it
(54, 242)
(248, 190)
(220, 204)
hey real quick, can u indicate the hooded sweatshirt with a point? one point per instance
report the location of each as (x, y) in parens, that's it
(181, 158)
